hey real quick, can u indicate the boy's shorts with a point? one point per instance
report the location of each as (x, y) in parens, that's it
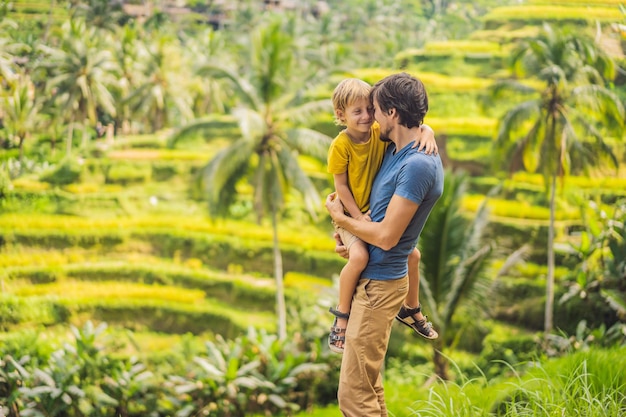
(346, 237)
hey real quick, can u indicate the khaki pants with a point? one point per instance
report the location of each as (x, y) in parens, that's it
(374, 307)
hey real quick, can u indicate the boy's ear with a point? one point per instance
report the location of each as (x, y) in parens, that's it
(339, 115)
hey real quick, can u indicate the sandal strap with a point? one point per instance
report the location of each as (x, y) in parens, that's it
(338, 313)
(336, 329)
(412, 311)
(424, 323)
(337, 338)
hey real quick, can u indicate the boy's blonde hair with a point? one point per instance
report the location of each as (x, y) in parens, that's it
(347, 92)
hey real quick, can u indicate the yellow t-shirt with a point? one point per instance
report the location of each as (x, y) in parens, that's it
(360, 160)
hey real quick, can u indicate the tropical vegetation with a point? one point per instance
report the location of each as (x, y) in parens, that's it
(164, 250)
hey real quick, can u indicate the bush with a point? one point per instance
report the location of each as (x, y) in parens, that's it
(35, 275)
(501, 351)
(163, 171)
(40, 310)
(67, 172)
(125, 173)
(60, 239)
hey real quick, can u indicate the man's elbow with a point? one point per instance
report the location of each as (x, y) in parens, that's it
(388, 242)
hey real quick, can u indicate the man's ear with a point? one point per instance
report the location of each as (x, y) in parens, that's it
(391, 112)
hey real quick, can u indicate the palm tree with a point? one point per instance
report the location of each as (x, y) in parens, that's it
(455, 261)
(82, 74)
(21, 112)
(7, 70)
(266, 152)
(562, 127)
(102, 14)
(162, 90)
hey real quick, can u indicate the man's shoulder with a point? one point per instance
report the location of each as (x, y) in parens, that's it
(424, 164)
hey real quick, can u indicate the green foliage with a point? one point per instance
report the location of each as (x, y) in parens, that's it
(502, 351)
(253, 373)
(538, 14)
(164, 171)
(125, 173)
(66, 239)
(68, 172)
(41, 310)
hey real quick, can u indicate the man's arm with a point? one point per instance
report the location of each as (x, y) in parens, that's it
(385, 234)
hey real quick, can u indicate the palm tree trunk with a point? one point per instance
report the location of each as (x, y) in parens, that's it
(21, 146)
(440, 362)
(70, 137)
(549, 313)
(85, 136)
(281, 312)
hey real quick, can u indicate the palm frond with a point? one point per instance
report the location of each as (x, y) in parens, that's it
(513, 259)
(442, 239)
(309, 142)
(199, 126)
(303, 113)
(221, 174)
(502, 88)
(514, 119)
(251, 123)
(298, 180)
(243, 89)
(603, 104)
(616, 300)
(467, 274)
(531, 147)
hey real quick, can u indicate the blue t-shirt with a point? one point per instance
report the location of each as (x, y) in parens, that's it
(412, 175)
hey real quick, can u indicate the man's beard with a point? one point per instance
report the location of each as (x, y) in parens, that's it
(384, 136)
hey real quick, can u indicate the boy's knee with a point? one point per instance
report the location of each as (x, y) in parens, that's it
(359, 256)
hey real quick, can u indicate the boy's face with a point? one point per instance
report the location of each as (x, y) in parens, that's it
(358, 117)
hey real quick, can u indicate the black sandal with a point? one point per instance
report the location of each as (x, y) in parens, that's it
(334, 335)
(422, 327)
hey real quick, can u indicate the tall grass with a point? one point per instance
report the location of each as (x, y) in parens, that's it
(590, 384)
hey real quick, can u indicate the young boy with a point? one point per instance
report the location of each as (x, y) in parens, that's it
(354, 158)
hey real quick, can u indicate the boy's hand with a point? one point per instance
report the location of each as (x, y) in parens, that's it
(334, 205)
(426, 141)
(365, 216)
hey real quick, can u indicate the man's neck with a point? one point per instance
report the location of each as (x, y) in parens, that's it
(403, 136)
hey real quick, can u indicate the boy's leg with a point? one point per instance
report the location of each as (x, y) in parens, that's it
(413, 297)
(348, 279)
(411, 312)
(351, 273)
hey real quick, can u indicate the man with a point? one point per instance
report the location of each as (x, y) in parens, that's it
(404, 192)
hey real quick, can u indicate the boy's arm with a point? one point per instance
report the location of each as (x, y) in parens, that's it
(426, 140)
(345, 195)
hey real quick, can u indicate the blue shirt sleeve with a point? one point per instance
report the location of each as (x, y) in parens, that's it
(415, 179)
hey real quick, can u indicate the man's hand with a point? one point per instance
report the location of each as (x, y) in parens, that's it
(334, 206)
(340, 248)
